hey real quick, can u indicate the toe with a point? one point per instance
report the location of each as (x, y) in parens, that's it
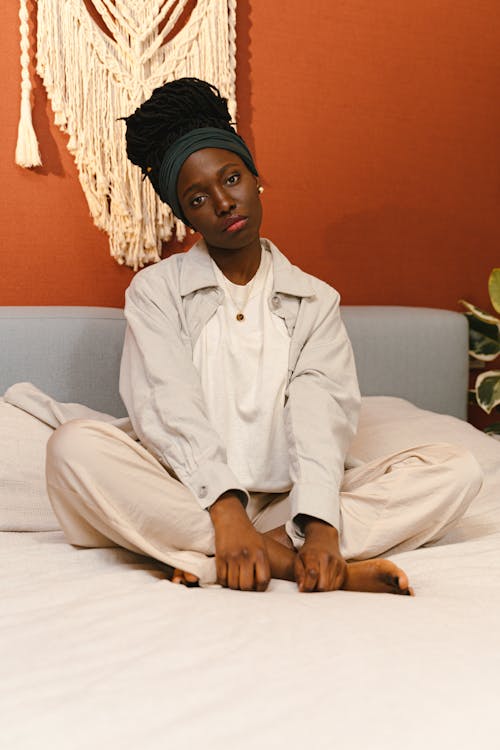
(190, 580)
(402, 580)
(176, 575)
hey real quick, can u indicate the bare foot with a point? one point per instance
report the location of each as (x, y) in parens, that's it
(279, 535)
(377, 576)
(176, 575)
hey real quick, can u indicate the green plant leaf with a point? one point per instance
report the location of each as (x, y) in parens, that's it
(480, 314)
(488, 329)
(494, 288)
(483, 347)
(488, 390)
(493, 429)
(484, 339)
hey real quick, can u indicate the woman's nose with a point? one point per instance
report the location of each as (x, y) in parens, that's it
(223, 202)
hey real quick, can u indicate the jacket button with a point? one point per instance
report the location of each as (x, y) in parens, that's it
(276, 302)
(203, 491)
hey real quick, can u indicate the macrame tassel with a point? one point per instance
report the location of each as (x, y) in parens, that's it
(27, 152)
(93, 79)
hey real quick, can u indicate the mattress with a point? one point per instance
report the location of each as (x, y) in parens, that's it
(99, 650)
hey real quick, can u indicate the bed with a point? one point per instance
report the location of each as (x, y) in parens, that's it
(99, 650)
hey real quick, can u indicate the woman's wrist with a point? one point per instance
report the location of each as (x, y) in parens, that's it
(228, 505)
(309, 525)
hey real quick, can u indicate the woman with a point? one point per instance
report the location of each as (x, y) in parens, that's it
(240, 383)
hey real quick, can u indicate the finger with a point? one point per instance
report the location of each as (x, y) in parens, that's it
(311, 574)
(326, 575)
(299, 572)
(262, 572)
(310, 578)
(221, 568)
(338, 573)
(233, 574)
(247, 576)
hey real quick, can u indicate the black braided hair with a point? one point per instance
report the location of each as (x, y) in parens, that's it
(172, 110)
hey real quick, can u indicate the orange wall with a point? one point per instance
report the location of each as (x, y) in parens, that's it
(376, 128)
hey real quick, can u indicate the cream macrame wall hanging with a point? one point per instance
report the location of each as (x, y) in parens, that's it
(92, 79)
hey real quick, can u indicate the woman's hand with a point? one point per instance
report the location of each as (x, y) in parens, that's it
(319, 566)
(240, 554)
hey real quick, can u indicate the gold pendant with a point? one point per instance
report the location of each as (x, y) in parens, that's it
(240, 316)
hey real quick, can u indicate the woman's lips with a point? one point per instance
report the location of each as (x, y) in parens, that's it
(235, 223)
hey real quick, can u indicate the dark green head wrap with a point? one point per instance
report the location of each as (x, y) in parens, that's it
(187, 144)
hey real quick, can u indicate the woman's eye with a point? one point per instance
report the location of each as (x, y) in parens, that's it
(197, 200)
(233, 178)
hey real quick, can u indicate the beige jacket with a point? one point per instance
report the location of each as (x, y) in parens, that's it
(166, 307)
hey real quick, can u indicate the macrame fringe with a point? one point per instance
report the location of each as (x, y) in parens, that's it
(93, 79)
(27, 152)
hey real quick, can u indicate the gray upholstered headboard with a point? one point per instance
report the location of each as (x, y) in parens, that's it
(416, 353)
(73, 353)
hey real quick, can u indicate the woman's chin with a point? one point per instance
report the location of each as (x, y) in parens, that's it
(236, 240)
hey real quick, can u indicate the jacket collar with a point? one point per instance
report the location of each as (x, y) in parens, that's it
(197, 272)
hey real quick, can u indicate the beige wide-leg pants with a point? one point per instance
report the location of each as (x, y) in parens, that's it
(108, 490)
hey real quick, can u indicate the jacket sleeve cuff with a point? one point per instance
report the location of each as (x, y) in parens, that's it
(211, 480)
(316, 500)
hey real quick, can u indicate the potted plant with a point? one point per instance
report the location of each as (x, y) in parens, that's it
(484, 343)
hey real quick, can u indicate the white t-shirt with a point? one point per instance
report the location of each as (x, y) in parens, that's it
(243, 367)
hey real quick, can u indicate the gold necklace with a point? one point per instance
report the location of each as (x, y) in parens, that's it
(240, 309)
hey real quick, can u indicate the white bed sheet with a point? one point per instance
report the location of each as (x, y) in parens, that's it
(98, 650)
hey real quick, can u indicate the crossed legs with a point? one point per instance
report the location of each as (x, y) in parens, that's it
(108, 490)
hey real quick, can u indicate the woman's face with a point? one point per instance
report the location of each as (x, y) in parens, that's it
(219, 197)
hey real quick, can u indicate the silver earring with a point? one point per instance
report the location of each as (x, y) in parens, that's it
(260, 189)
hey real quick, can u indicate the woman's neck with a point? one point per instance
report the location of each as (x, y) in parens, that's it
(239, 265)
